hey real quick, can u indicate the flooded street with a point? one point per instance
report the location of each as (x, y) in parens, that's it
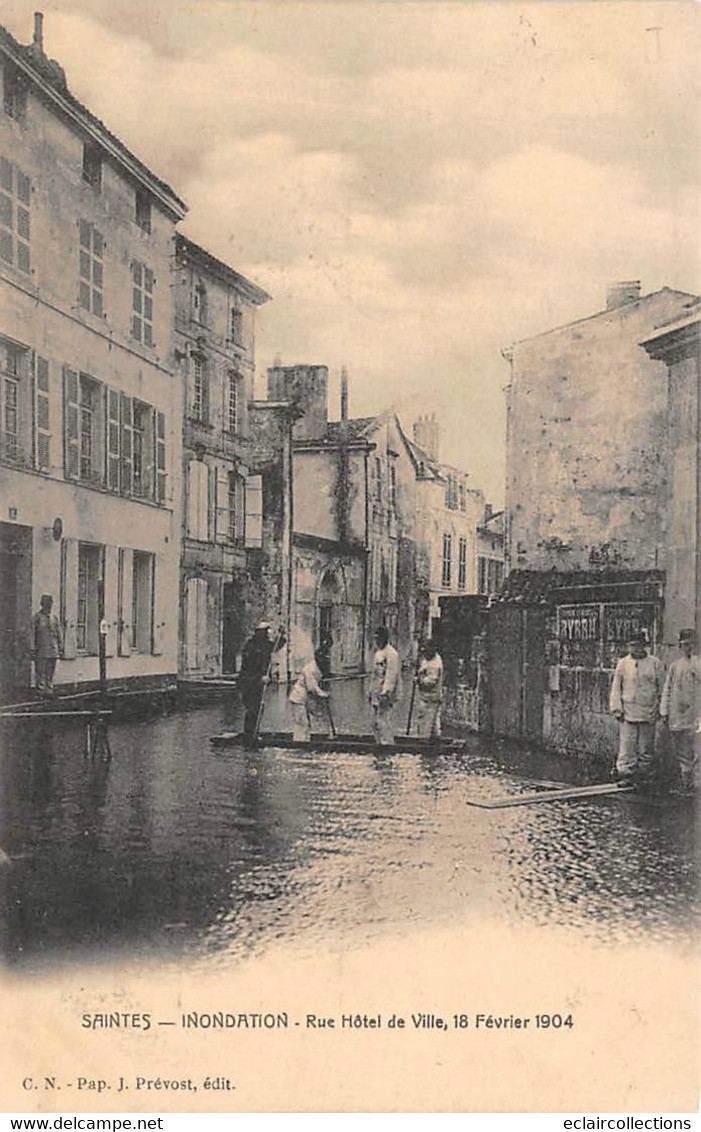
(176, 849)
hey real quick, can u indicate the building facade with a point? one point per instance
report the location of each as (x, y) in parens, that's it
(602, 463)
(587, 439)
(90, 414)
(678, 345)
(213, 353)
(459, 545)
(353, 501)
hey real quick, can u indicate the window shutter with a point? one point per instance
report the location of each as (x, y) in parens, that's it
(112, 444)
(160, 458)
(124, 610)
(111, 589)
(69, 595)
(192, 499)
(221, 530)
(71, 437)
(158, 614)
(127, 421)
(149, 488)
(254, 511)
(42, 418)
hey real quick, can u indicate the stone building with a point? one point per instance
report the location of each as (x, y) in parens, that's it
(456, 534)
(90, 411)
(213, 353)
(587, 439)
(602, 506)
(352, 555)
(678, 345)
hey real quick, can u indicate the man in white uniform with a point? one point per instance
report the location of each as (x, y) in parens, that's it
(681, 709)
(305, 694)
(384, 688)
(429, 686)
(635, 697)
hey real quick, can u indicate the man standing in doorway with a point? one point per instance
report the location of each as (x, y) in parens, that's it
(255, 673)
(47, 646)
(681, 709)
(384, 688)
(635, 698)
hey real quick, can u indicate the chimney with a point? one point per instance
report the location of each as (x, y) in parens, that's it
(38, 41)
(427, 435)
(307, 387)
(344, 394)
(620, 294)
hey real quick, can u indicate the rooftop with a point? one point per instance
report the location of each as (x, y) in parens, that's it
(188, 249)
(49, 80)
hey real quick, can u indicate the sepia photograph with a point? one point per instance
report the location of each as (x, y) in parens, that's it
(350, 572)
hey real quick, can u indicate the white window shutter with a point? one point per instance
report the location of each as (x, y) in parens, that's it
(254, 511)
(221, 528)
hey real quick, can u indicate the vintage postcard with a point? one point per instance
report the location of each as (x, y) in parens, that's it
(350, 516)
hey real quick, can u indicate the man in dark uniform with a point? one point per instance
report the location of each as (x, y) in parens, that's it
(254, 674)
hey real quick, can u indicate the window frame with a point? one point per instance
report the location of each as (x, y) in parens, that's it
(462, 562)
(143, 210)
(15, 217)
(91, 268)
(143, 283)
(447, 561)
(92, 166)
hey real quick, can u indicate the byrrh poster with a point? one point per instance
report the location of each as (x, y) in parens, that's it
(349, 556)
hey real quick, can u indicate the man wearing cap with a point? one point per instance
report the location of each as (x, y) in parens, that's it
(47, 646)
(635, 697)
(681, 708)
(255, 672)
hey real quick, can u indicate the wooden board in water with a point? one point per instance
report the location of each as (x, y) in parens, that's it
(562, 795)
(355, 744)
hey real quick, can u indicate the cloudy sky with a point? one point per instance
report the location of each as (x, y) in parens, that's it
(417, 185)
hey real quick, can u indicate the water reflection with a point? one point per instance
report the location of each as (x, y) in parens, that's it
(175, 848)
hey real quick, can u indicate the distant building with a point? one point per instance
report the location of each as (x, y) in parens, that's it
(460, 545)
(90, 411)
(353, 506)
(214, 355)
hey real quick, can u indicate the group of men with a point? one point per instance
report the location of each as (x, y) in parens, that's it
(308, 693)
(641, 694)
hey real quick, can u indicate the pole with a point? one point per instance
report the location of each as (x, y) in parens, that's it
(277, 644)
(331, 722)
(413, 694)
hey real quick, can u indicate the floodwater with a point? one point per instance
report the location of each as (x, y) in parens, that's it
(176, 849)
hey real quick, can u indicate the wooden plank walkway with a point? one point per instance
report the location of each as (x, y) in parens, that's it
(564, 794)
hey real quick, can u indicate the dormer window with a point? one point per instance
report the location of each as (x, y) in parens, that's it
(142, 213)
(92, 166)
(237, 325)
(14, 93)
(199, 303)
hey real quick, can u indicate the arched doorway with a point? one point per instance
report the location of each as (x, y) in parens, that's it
(329, 625)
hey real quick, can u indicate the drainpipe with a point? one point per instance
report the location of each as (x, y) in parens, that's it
(366, 585)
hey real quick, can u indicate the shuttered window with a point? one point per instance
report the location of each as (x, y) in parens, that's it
(198, 501)
(90, 268)
(15, 198)
(254, 511)
(42, 414)
(462, 563)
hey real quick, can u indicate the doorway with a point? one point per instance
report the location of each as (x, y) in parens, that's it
(15, 609)
(232, 626)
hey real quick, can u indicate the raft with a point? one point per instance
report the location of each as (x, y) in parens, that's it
(348, 743)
